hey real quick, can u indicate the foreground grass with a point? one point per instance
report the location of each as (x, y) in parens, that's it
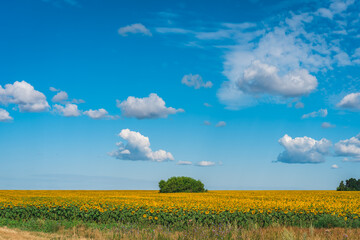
(49, 229)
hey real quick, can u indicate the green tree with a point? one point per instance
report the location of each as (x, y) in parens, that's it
(181, 184)
(350, 185)
(341, 187)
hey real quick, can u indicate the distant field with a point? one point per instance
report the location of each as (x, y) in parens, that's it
(241, 208)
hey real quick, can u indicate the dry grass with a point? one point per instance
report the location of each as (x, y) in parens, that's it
(227, 232)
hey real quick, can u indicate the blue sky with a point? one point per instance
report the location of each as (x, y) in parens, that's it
(121, 94)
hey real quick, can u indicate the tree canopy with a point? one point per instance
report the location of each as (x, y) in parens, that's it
(350, 185)
(181, 184)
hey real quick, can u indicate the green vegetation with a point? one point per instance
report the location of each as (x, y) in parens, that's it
(181, 184)
(64, 229)
(351, 185)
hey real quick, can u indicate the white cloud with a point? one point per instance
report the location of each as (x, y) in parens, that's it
(356, 56)
(60, 97)
(319, 113)
(303, 150)
(97, 114)
(324, 12)
(350, 101)
(207, 123)
(25, 96)
(221, 124)
(336, 7)
(230, 95)
(184, 163)
(195, 81)
(342, 59)
(327, 125)
(205, 164)
(279, 57)
(349, 148)
(339, 6)
(353, 159)
(77, 101)
(5, 116)
(356, 53)
(134, 29)
(54, 89)
(147, 107)
(138, 148)
(299, 105)
(70, 110)
(262, 78)
(167, 30)
(278, 64)
(334, 166)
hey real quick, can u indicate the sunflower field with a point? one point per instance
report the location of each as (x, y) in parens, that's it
(263, 208)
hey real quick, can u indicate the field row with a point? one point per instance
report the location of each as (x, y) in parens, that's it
(295, 208)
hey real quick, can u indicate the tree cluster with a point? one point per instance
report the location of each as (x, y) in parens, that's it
(181, 184)
(350, 185)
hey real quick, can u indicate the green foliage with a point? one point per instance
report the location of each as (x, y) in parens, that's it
(351, 185)
(181, 184)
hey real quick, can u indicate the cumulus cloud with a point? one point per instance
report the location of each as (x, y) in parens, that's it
(138, 148)
(279, 64)
(136, 28)
(262, 78)
(25, 96)
(207, 123)
(350, 101)
(195, 81)
(299, 105)
(334, 166)
(146, 108)
(278, 58)
(303, 150)
(54, 89)
(336, 7)
(77, 101)
(184, 163)
(205, 164)
(69, 110)
(349, 148)
(60, 97)
(221, 124)
(319, 113)
(97, 114)
(5, 116)
(327, 125)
